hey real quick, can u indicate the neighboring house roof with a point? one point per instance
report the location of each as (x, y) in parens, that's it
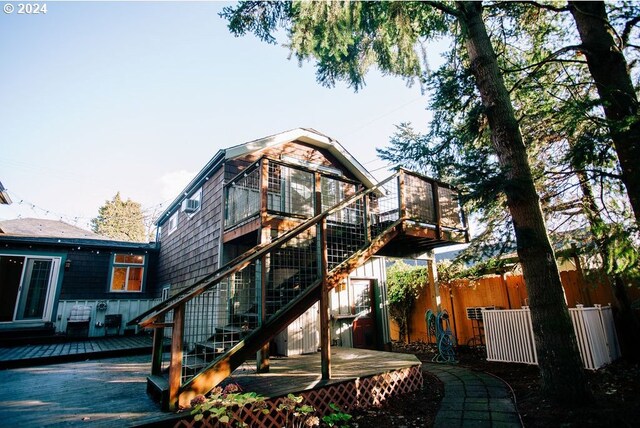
(306, 135)
(36, 230)
(37, 227)
(4, 195)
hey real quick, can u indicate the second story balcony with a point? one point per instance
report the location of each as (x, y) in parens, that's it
(272, 193)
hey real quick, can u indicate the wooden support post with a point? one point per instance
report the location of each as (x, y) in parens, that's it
(264, 188)
(325, 322)
(433, 283)
(175, 369)
(402, 203)
(262, 356)
(436, 209)
(365, 219)
(156, 350)
(325, 326)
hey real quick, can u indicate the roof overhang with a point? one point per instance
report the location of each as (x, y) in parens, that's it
(313, 138)
(309, 136)
(4, 196)
(71, 242)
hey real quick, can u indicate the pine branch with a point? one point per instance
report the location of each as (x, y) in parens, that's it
(537, 66)
(597, 172)
(547, 6)
(443, 8)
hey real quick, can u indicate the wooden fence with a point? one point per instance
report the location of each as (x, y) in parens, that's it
(502, 292)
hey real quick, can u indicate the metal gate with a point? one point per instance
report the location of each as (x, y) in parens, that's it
(509, 335)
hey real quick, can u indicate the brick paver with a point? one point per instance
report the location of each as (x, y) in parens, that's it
(473, 399)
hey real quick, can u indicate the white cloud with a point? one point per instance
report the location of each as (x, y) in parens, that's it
(174, 182)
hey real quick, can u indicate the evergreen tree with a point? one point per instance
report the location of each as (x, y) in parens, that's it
(346, 39)
(567, 139)
(118, 219)
(610, 72)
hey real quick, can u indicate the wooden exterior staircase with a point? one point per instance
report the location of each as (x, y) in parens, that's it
(227, 317)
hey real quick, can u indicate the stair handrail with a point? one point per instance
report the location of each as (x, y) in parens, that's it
(147, 318)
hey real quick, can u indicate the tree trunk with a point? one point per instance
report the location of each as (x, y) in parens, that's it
(559, 360)
(627, 322)
(609, 70)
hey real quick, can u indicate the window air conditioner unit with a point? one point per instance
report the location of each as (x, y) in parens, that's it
(190, 205)
(475, 312)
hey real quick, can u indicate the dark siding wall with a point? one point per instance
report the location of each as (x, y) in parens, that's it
(88, 275)
(191, 251)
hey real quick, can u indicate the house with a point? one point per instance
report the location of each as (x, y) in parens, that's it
(4, 195)
(283, 231)
(48, 267)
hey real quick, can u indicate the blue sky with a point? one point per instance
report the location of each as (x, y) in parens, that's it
(136, 97)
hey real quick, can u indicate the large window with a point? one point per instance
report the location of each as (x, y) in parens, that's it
(127, 273)
(27, 287)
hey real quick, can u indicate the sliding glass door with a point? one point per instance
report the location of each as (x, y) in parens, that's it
(27, 287)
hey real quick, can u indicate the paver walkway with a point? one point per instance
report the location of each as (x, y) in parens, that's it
(473, 399)
(52, 353)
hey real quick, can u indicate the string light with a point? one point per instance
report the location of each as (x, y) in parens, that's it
(71, 219)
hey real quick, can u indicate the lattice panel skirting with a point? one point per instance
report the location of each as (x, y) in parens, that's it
(359, 393)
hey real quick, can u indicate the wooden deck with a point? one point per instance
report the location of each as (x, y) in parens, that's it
(302, 372)
(108, 392)
(112, 392)
(79, 350)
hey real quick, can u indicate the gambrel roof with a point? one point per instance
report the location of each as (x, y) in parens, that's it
(305, 135)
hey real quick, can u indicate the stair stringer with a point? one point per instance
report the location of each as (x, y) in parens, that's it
(224, 365)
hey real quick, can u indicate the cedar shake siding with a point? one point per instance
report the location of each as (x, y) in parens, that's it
(192, 250)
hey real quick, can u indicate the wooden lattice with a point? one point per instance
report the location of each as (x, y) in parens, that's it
(353, 394)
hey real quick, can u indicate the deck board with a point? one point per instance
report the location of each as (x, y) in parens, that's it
(109, 392)
(112, 392)
(301, 372)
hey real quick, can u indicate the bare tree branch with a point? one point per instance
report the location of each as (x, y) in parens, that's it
(627, 31)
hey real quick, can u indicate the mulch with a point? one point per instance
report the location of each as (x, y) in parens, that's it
(616, 391)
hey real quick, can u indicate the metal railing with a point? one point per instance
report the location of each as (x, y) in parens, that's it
(223, 315)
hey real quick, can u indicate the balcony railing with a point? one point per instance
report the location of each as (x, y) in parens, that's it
(224, 317)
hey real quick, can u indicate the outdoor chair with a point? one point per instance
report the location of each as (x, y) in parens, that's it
(79, 321)
(112, 321)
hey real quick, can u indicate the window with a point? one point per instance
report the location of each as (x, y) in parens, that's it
(165, 292)
(351, 298)
(173, 222)
(127, 273)
(192, 204)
